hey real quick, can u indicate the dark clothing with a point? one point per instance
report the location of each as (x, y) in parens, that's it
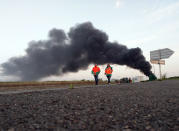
(109, 77)
(96, 79)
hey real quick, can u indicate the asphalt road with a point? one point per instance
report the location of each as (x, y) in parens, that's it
(137, 106)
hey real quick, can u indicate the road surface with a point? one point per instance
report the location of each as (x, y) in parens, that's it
(137, 106)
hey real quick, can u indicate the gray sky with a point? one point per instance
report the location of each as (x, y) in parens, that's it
(148, 24)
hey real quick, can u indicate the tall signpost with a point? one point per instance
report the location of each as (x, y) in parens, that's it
(156, 57)
(160, 62)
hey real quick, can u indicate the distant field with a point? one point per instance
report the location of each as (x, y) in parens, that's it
(34, 83)
(173, 78)
(11, 86)
(8, 86)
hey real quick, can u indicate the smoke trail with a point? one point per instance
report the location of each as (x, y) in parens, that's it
(62, 53)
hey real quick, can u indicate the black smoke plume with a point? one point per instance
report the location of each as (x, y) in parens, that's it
(81, 46)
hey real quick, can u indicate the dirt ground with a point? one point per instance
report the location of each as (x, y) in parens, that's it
(138, 106)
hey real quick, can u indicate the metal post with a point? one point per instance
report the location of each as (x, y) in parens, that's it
(160, 65)
(160, 71)
(154, 69)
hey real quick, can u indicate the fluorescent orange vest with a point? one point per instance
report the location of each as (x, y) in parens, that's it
(96, 69)
(108, 70)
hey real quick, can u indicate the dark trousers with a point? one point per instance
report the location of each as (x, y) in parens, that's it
(96, 79)
(109, 77)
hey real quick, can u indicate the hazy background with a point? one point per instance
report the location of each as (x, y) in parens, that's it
(148, 24)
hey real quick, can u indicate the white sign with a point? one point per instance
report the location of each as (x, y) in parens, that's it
(162, 62)
(161, 54)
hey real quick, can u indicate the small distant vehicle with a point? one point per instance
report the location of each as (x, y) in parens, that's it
(124, 80)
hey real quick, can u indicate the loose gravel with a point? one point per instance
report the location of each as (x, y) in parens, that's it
(125, 107)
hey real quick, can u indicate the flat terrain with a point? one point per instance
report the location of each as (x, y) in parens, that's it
(137, 106)
(21, 86)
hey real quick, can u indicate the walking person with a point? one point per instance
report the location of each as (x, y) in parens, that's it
(95, 71)
(108, 72)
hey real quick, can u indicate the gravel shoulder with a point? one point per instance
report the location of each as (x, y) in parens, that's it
(137, 106)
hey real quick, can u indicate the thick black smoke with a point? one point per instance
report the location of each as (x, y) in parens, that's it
(62, 53)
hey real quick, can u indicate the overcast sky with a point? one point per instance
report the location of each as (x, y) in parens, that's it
(148, 24)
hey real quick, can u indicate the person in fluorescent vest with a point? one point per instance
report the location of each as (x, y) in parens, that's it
(95, 71)
(108, 72)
